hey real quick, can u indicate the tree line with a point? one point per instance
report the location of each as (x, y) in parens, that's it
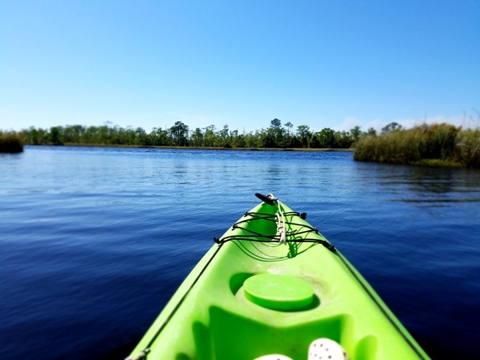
(274, 136)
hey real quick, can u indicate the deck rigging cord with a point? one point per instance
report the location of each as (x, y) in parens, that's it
(283, 236)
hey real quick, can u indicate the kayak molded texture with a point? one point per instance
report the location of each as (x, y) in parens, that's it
(215, 314)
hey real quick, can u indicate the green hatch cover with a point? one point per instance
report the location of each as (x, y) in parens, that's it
(278, 292)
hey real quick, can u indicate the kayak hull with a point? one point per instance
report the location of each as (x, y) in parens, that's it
(212, 315)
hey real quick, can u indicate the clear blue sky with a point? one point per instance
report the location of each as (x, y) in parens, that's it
(242, 63)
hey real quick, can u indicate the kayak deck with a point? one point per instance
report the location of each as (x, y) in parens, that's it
(215, 314)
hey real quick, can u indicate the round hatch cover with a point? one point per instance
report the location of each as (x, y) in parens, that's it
(278, 292)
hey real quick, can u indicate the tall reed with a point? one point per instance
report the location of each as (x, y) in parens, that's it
(10, 143)
(468, 148)
(436, 144)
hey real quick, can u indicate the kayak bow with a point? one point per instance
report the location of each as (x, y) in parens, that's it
(272, 284)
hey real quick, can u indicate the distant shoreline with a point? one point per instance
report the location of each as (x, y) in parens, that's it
(202, 148)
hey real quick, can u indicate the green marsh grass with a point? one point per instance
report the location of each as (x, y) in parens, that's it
(432, 145)
(10, 143)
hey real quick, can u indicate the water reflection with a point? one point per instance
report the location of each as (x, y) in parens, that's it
(424, 185)
(274, 173)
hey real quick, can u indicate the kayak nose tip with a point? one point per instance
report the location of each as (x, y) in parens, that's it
(268, 199)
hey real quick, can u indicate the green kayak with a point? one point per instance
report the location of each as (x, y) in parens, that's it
(272, 287)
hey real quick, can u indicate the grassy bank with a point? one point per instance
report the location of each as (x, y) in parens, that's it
(433, 145)
(10, 143)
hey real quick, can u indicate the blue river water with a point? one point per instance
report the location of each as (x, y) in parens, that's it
(94, 241)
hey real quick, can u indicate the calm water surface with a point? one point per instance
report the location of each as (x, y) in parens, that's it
(94, 241)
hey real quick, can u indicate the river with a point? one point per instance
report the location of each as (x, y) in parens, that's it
(94, 241)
